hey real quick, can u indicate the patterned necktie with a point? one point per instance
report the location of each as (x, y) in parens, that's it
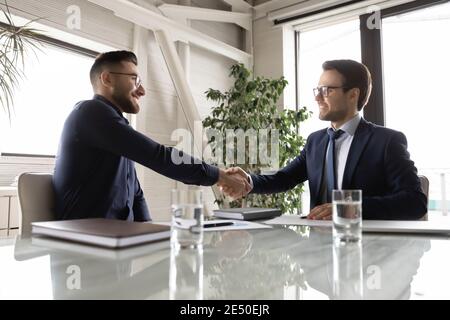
(331, 177)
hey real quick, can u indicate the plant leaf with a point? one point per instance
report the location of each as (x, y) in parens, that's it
(16, 43)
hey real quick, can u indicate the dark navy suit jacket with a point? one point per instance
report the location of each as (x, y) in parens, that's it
(94, 173)
(378, 163)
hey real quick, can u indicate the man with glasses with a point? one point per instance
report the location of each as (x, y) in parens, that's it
(94, 173)
(351, 153)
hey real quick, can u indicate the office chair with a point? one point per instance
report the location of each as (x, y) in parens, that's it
(36, 198)
(425, 184)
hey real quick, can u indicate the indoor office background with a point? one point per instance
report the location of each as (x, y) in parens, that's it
(408, 55)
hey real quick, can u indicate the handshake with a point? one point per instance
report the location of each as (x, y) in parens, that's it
(234, 182)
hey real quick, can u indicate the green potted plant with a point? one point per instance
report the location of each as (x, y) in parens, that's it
(251, 105)
(16, 42)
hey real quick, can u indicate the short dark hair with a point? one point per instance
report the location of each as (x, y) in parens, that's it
(356, 75)
(108, 59)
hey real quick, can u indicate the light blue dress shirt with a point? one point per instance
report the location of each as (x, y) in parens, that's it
(342, 147)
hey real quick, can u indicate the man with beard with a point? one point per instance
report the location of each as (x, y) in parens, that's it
(94, 174)
(351, 153)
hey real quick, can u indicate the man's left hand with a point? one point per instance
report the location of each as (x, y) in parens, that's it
(321, 212)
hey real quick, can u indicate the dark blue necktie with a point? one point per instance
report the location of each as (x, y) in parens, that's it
(331, 179)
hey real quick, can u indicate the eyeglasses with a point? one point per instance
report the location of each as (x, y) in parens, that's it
(324, 91)
(137, 79)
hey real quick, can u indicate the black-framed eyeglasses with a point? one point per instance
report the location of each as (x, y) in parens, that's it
(324, 91)
(137, 79)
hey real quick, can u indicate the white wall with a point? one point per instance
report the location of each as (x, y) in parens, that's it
(274, 56)
(207, 70)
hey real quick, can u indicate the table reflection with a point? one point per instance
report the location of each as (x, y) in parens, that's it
(84, 272)
(186, 273)
(252, 265)
(347, 271)
(380, 267)
(278, 263)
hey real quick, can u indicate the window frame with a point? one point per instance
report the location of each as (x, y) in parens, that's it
(371, 56)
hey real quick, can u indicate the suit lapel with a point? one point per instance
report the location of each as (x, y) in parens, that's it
(359, 143)
(318, 170)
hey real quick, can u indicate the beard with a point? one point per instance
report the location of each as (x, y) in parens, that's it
(126, 104)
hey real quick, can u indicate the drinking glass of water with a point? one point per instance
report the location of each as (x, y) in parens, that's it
(187, 218)
(347, 215)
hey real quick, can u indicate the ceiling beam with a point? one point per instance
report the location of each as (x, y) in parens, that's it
(148, 19)
(192, 13)
(239, 5)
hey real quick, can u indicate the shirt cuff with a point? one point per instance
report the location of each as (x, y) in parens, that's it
(212, 175)
(250, 180)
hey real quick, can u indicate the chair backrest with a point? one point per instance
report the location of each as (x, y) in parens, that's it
(425, 184)
(36, 198)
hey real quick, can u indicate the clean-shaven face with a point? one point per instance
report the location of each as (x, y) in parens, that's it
(336, 106)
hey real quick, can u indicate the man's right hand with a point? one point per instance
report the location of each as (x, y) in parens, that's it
(234, 182)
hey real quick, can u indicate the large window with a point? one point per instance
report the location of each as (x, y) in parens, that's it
(55, 80)
(339, 41)
(416, 80)
(408, 58)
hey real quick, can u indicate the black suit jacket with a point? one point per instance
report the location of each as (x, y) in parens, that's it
(378, 163)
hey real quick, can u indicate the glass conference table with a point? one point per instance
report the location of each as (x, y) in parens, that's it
(283, 262)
